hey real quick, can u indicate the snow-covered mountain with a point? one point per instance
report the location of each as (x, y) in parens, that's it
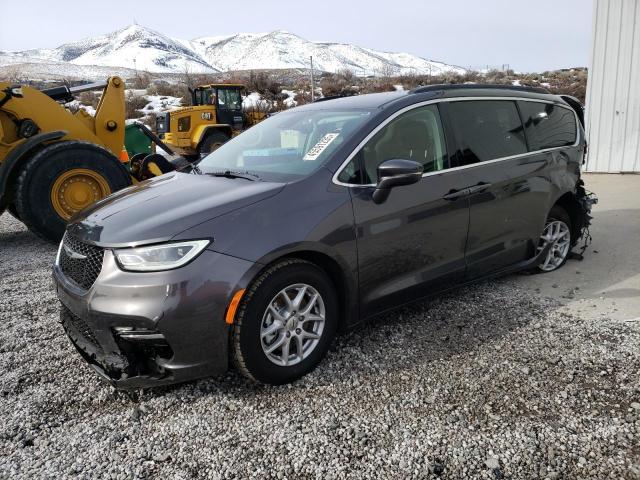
(131, 47)
(281, 49)
(137, 47)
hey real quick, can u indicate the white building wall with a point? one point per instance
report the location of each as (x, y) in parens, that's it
(613, 88)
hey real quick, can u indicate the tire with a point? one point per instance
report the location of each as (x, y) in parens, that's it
(247, 344)
(211, 143)
(557, 216)
(93, 169)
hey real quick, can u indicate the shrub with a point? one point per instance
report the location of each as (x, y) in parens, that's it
(264, 84)
(338, 84)
(166, 89)
(133, 105)
(141, 80)
(89, 99)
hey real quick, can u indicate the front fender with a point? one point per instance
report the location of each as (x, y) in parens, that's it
(201, 131)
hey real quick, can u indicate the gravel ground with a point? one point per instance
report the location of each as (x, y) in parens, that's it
(490, 382)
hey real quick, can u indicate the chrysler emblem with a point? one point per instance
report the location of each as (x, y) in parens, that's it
(75, 255)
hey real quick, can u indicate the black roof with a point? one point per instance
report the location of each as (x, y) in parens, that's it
(368, 101)
(382, 100)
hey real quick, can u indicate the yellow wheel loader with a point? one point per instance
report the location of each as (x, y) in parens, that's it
(54, 163)
(215, 116)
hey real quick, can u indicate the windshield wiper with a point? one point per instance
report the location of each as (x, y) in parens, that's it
(231, 174)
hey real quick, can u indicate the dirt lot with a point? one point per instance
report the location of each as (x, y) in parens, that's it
(525, 377)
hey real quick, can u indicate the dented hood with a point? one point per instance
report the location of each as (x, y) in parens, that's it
(158, 209)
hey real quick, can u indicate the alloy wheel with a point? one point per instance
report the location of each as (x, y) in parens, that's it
(558, 234)
(292, 324)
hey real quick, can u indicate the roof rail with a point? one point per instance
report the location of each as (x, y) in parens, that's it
(476, 86)
(333, 97)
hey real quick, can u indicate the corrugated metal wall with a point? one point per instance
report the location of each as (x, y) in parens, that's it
(613, 88)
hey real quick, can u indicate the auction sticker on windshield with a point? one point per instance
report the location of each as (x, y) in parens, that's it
(320, 147)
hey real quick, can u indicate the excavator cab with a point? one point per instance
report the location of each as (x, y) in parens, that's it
(227, 100)
(214, 116)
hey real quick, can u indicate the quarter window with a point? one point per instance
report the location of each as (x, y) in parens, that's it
(487, 129)
(548, 125)
(415, 135)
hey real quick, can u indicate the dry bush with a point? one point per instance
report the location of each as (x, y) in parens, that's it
(261, 107)
(89, 99)
(378, 85)
(12, 74)
(141, 80)
(265, 85)
(166, 89)
(133, 105)
(302, 97)
(236, 78)
(338, 84)
(570, 82)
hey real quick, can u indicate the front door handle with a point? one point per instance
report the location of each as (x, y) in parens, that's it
(481, 187)
(456, 194)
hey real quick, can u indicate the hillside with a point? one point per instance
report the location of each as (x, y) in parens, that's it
(139, 48)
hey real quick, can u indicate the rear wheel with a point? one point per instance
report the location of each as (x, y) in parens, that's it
(285, 323)
(63, 179)
(212, 142)
(558, 233)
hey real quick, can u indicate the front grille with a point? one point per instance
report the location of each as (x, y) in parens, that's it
(67, 317)
(80, 262)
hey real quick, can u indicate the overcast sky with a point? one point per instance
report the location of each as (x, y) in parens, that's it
(528, 35)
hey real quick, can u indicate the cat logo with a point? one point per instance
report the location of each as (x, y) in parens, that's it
(206, 116)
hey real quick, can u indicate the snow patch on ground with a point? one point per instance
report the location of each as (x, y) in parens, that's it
(289, 101)
(161, 103)
(253, 100)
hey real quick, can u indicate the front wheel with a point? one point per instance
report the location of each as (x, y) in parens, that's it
(211, 143)
(285, 323)
(61, 180)
(557, 232)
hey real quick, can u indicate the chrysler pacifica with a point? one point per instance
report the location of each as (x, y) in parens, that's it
(315, 219)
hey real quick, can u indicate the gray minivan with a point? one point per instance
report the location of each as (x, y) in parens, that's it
(314, 220)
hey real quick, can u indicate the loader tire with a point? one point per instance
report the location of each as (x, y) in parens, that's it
(211, 143)
(62, 179)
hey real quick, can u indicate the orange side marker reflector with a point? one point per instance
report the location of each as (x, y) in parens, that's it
(233, 306)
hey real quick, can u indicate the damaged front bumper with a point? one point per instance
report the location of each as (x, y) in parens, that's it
(148, 329)
(121, 362)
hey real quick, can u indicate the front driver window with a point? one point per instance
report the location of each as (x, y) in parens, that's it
(415, 135)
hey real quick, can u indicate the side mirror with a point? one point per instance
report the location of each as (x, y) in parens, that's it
(395, 173)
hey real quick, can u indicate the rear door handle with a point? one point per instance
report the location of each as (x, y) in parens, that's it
(481, 187)
(456, 194)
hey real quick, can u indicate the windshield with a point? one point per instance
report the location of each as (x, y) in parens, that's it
(229, 98)
(287, 146)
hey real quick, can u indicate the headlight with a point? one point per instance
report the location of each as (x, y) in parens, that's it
(159, 257)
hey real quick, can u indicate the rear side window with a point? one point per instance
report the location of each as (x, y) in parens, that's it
(548, 125)
(487, 129)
